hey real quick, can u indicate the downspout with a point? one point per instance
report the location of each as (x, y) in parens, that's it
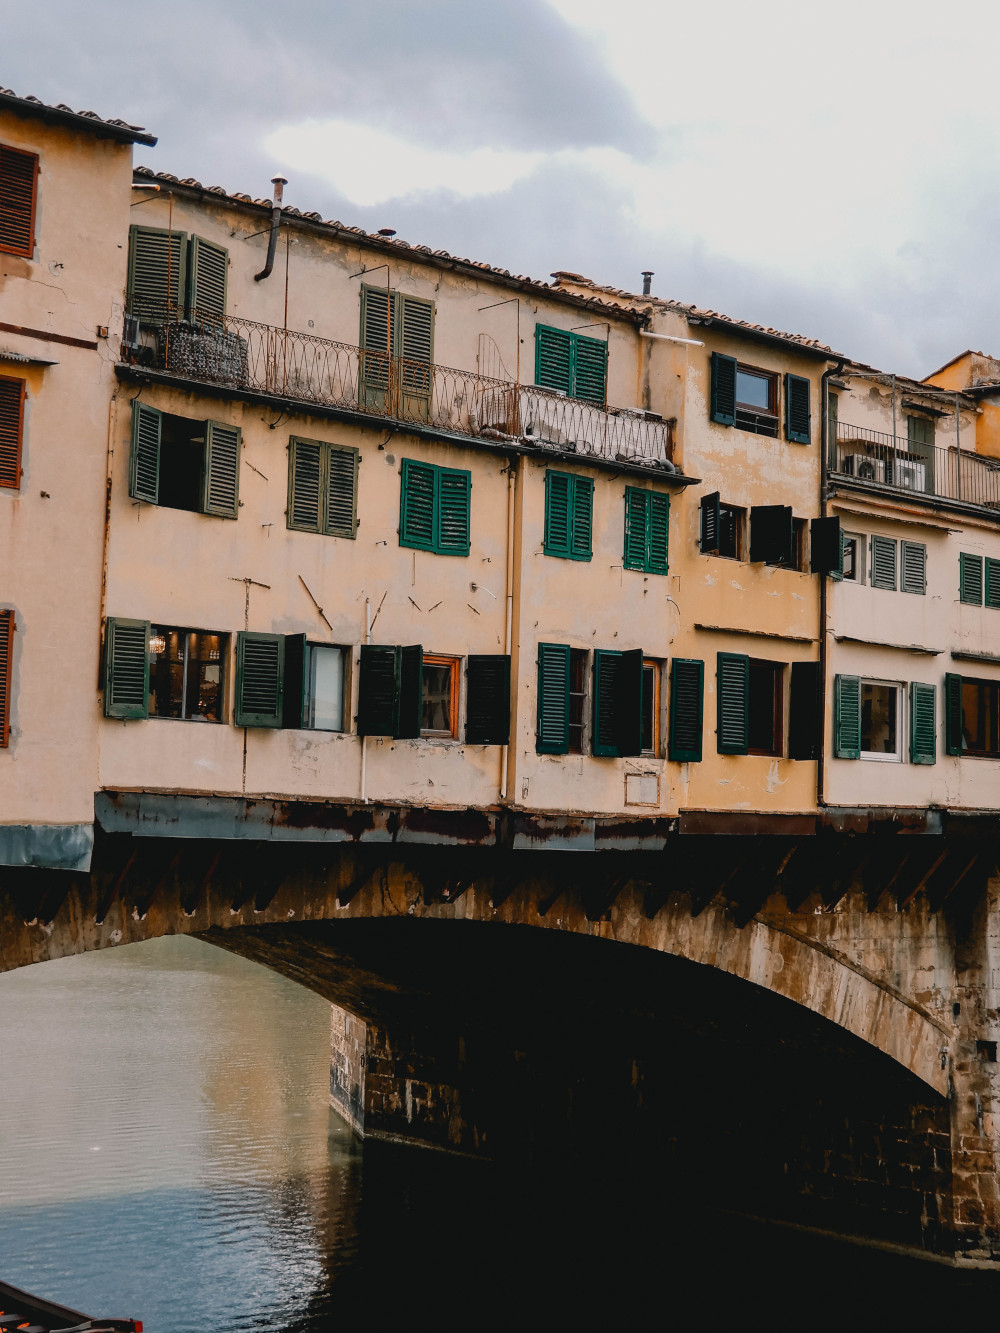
(364, 739)
(279, 183)
(824, 435)
(508, 632)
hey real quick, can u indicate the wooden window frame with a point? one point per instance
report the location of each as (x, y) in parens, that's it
(577, 695)
(749, 417)
(156, 631)
(18, 470)
(777, 671)
(983, 686)
(656, 667)
(29, 252)
(454, 663)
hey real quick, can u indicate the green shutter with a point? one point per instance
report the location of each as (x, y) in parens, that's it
(847, 717)
(417, 505)
(207, 279)
(797, 420)
(883, 568)
(723, 389)
(377, 309)
(590, 369)
(453, 502)
(414, 341)
(157, 272)
(144, 456)
(553, 358)
(953, 714)
(687, 690)
(923, 724)
(733, 703)
(220, 483)
(487, 714)
(826, 547)
(341, 519)
(709, 538)
(970, 579)
(378, 690)
(992, 582)
(658, 533)
(617, 702)
(805, 711)
(552, 729)
(411, 692)
(636, 519)
(260, 661)
(296, 681)
(126, 668)
(912, 567)
(558, 488)
(581, 518)
(772, 535)
(305, 482)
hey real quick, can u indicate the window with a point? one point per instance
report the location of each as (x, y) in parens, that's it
(184, 464)
(868, 720)
(647, 522)
(185, 674)
(855, 544)
(992, 582)
(972, 719)
(6, 666)
(650, 733)
(562, 695)
(722, 528)
(881, 730)
(439, 696)
(687, 690)
(912, 567)
(171, 274)
(750, 705)
(577, 699)
(766, 700)
(747, 397)
(970, 579)
(397, 352)
(883, 566)
(312, 679)
(569, 502)
(912, 474)
(571, 363)
(800, 545)
(18, 174)
(11, 431)
(434, 508)
(322, 488)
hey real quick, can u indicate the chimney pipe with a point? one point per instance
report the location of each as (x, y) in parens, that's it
(647, 280)
(279, 183)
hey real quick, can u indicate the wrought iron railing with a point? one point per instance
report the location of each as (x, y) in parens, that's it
(243, 354)
(880, 459)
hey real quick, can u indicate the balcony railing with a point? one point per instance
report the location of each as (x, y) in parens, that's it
(242, 354)
(880, 459)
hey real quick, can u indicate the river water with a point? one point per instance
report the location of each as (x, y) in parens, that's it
(167, 1153)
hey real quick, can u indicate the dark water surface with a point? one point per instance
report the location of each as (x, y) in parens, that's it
(167, 1152)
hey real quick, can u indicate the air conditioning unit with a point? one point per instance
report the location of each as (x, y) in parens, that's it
(910, 476)
(864, 467)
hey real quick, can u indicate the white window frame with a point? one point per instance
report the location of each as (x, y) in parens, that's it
(899, 756)
(860, 556)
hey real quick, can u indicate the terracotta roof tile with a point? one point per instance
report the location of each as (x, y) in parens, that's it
(60, 113)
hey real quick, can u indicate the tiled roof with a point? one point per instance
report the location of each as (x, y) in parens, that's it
(62, 114)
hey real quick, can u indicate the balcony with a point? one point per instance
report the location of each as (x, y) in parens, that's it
(877, 459)
(240, 354)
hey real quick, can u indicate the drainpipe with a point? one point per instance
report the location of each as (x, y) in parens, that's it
(279, 183)
(508, 634)
(364, 739)
(824, 435)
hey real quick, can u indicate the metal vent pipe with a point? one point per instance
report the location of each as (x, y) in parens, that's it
(647, 281)
(279, 183)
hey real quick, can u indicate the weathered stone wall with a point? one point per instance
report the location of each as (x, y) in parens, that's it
(348, 1046)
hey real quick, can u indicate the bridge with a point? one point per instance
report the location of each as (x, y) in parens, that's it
(797, 1019)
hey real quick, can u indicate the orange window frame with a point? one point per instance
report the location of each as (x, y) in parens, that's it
(7, 151)
(439, 659)
(12, 394)
(651, 664)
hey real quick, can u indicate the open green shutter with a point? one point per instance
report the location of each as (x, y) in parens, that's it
(826, 547)
(607, 665)
(411, 691)
(296, 687)
(552, 730)
(558, 486)
(305, 485)
(590, 369)
(487, 715)
(709, 538)
(970, 579)
(377, 310)
(847, 717)
(723, 389)
(581, 518)
(418, 488)
(454, 496)
(923, 724)
(378, 690)
(953, 714)
(220, 482)
(658, 533)
(992, 582)
(772, 535)
(341, 518)
(636, 519)
(6, 673)
(414, 343)
(157, 272)
(126, 668)
(805, 711)
(207, 280)
(797, 420)
(687, 700)
(260, 662)
(553, 358)
(912, 567)
(883, 562)
(733, 703)
(144, 456)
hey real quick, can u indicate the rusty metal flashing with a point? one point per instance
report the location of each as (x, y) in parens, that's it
(935, 502)
(976, 657)
(294, 407)
(901, 647)
(23, 359)
(755, 633)
(61, 114)
(47, 846)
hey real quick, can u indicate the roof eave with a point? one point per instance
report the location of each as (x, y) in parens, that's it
(53, 115)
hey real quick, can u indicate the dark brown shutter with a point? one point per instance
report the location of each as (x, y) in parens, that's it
(805, 711)
(487, 714)
(6, 662)
(18, 173)
(11, 431)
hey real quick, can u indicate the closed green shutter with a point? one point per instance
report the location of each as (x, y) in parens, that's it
(636, 520)
(305, 481)
(296, 686)
(581, 518)
(709, 539)
(687, 691)
(144, 456)
(260, 661)
(826, 547)
(805, 711)
(797, 419)
(378, 691)
(970, 579)
(558, 486)
(723, 389)
(341, 518)
(847, 717)
(6, 674)
(126, 668)
(992, 582)
(553, 358)
(220, 487)
(157, 272)
(923, 724)
(617, 702)
(912, 567)
(377, 308)
(411, 691)
(883, 569)
(552, 729)
(733, 703)
(454, 494)
(207, 279)
(953, 714)
(487, 714)
(659, 533)
(417, 497)
(590, 369)
(414, 338)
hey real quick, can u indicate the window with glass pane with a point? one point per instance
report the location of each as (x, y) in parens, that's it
(753, 389)
(980, 717)
(854, 562)
(756, 400)
(880, 720)
(439, 698)
(577, 698)
(650, 743)
(186, 673)
(325, 703)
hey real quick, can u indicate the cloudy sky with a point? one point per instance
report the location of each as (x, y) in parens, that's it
(831, 170)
